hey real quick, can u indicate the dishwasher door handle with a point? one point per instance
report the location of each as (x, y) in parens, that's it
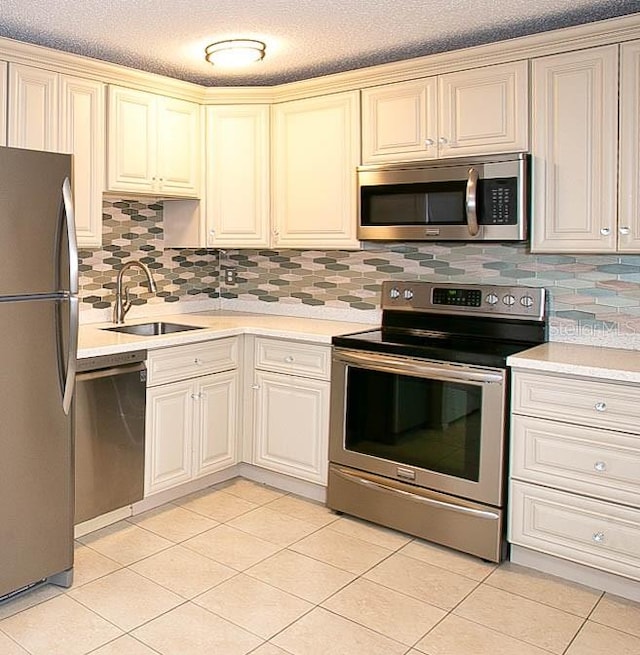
(111, 372)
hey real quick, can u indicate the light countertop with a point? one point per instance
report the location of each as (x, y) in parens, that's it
(588, 361)
(95, 340)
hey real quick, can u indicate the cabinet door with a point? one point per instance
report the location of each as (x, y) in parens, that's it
(33, 108)
(131, 141)
(169, 436)
(214, 447)
(237, 164)
(484, 110)
(3, 103)
(399, 121)
(179, 147)
(574, 148)
(316, 151)
(291, 418)
(629, 219)
(82, 134)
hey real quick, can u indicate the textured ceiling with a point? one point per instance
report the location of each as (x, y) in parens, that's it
(304, 38)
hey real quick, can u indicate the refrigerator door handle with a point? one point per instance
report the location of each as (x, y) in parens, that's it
(70, 222)
(69, 375)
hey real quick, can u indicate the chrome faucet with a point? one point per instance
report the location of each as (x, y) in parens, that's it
(123, 303)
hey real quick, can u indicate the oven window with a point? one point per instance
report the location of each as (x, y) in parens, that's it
(419, 422)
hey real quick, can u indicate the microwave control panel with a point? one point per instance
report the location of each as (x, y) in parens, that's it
(500, 200)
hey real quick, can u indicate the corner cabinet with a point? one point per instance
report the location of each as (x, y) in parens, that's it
(154, 144)
(192, 412)
(472, 112)
(291, 408)
(316, 148)
(60, 113)
(237, 165)
(575, 470)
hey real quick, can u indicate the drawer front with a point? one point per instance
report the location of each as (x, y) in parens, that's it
(591, 532)
(588, 402)
(182, 362)
(304, 359)
(589, 461)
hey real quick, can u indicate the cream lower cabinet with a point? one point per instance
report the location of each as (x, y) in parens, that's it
(316, 148)
(60, 113)
(154, 144)
(575, 470)
(192, 413)
(291, 408)
(472, 112)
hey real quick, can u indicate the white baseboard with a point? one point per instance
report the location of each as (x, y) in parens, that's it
(585, 575)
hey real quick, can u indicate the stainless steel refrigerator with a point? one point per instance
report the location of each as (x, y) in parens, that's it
(38, 347)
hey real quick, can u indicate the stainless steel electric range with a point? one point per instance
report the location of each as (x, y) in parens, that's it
(419, 411)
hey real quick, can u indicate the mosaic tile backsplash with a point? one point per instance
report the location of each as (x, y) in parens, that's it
(588, 293)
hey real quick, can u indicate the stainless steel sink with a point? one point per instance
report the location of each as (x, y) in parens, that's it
(152, 329)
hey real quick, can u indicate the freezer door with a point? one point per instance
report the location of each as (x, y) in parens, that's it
(36, 476)
(34, 249)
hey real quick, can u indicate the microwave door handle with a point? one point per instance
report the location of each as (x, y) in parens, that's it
(471, 202)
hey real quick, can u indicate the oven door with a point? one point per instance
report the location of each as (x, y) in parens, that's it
(436, 425)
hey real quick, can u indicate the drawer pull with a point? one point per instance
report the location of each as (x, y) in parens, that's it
(600, 407)
(600, 466)
(197, 361)
(289, 359)
(598, 537)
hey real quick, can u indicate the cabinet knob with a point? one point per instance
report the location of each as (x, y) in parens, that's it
(624, 231)
(600, 407)
(605, 231)
(255, 387)
(197, 361)
(289, 359)
(598, 537)
(443, 141)
(429, 142)
(195, 396)
(600, 466)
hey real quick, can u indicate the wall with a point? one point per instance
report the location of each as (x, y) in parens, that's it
(591, 296)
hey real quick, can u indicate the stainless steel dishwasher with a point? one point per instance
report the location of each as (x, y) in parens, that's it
(109, 433)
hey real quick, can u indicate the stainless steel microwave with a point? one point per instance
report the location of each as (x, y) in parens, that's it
(465, 199)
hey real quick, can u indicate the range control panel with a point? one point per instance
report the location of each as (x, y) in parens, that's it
(482, 300)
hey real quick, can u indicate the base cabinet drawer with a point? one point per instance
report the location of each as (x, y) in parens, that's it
(590, 461)
(591, 532)
(596, 403)
(302, 359)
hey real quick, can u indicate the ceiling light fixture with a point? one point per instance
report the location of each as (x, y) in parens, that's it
(235, 52)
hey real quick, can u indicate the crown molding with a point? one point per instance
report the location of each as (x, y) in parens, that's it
(606, 32)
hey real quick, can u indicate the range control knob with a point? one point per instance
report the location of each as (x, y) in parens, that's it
(394, 293)
(526, 301)
(408, 294)
(492, 299)
(509, 300)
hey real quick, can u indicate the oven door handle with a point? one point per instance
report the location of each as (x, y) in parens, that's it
(386, 364)
(463, 509)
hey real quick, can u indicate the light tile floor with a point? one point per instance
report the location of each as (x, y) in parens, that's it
(242, 568)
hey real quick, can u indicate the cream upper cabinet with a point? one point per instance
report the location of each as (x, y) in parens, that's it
(400, 121)
(629, 218)
(315, 154)
(3, 103)
(33, 108)
(237, 187)
(478, 111)
(575, 151)
(60, 113)
(154, 144)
